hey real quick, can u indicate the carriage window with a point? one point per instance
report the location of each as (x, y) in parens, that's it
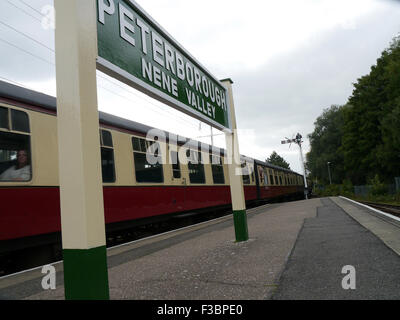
(261, 176)
(280, 180)
(245, 176)
(107, 157)
(15, 157)
(217, 169)
(136, 144)
(106, 138)
(4, 118)
(107, 165)
(176, 169)
(196, 168)
(20, 121)
(271, 178)
(265, 177)
(147, 171)
(140, 144)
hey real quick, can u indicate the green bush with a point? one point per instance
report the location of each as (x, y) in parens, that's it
(347, 188)
(328, 191)
(333, 190)
(378, 188)
(397, 197)
(378, 191)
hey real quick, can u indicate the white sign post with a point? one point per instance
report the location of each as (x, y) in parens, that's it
(235, 172)
(81, 190)
(116, 36)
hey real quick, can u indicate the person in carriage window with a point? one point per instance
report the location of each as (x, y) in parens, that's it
(19, 172)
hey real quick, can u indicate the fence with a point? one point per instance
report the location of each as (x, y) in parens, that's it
(363, 191)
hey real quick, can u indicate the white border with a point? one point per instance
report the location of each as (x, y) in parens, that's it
(169, 37)
(228, 106)
(116, 72)
(373, 209)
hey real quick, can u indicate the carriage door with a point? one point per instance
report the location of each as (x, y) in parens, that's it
(179, 182)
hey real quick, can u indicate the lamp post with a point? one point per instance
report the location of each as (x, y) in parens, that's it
(329, 172)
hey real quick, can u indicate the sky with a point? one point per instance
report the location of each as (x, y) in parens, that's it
(288, 59)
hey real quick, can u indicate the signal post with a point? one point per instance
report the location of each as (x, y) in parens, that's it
(81, 190)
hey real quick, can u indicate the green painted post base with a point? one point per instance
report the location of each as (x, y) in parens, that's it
(86, 274)
(240, 222)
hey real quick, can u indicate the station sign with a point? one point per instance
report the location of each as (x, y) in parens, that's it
(133, 48)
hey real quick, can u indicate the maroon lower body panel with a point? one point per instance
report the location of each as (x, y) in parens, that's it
(28, 211)
(128, 203)
(34, 211)
(278, 191)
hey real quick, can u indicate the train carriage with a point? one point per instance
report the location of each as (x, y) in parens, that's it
(135, 191)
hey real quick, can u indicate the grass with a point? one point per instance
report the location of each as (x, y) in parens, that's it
(347, 191)
(382, 199)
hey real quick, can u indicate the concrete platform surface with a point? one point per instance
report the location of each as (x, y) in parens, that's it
(201, 262)
(333, 240)
(297, 250)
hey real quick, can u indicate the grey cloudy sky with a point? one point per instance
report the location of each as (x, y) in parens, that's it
(288, 59)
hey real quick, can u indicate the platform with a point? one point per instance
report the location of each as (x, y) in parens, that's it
(296, 250)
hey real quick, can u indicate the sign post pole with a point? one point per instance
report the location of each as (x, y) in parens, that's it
(235, 170)
(81, 192)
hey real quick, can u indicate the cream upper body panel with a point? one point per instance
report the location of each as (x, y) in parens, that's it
(44, 156)
(44, 159)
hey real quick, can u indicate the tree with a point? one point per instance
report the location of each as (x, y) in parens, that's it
(362, 138)
(277, 160)
(326, 141)
(371, 124)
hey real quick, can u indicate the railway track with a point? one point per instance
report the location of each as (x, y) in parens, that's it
(388, 208)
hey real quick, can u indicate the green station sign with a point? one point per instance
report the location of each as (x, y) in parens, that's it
(133, 48)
